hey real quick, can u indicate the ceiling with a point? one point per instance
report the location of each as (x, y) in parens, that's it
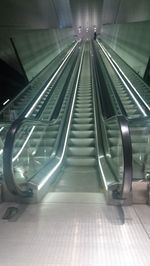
(87, 14)
(37, 14)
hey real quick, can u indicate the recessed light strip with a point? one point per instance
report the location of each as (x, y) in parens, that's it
(6, 101)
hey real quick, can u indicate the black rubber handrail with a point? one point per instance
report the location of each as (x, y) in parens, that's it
(127, 155)
(125, 190)
(8, 149)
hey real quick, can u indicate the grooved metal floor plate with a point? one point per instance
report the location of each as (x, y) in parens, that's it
(77, 179)
(75, 234)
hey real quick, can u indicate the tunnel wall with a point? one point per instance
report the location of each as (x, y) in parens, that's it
(36, 48)
(131, 41)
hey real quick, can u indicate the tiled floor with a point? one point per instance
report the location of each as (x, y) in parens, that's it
(75, 229)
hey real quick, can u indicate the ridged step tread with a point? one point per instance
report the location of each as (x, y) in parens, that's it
(83, 120)
(81, 142)
(82, 134)
(79, 161)
(81, 151)
(84, 127)
(83, 115)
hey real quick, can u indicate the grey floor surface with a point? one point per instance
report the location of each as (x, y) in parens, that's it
(75, 229)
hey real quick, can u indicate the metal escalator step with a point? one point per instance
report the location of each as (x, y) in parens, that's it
(128, 102)
(81, 151)
(82, 120)
(84, 90)
(84, 84)
(79, 161)
(131, 116)
(132, 111)
(84, 127)
(84, 94)
(82, 142)
(82, 134)
(84, 105)
(82, 101)
(138, 140)
(82, 109)
(82, 115)
(138, 130)
(139, 147)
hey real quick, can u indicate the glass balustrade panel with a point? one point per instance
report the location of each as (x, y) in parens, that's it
(140, 137)
(32, 149)
(114, 149)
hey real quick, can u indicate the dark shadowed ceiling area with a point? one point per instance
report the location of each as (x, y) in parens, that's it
(44, 14)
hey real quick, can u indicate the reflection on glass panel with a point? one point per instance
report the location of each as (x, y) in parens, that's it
(140, 136)
(114, 152)
(3, 131)
(32, 149)
(22, 100)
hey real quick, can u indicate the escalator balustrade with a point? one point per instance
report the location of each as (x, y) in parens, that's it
(24, 101)
(138, 121)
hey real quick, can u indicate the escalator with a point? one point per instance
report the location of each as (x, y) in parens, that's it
(33, 89)
(132, 101)
(135, 80)
(133, 96)
(35, 140)
(44, 111)
(87, 167)
(38, 99)
(80, 174)
(81, 148)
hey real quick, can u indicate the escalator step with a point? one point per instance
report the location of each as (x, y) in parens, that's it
(83, 120)
(79, 161)
(82, 134)
(82, 142)
(84, 127)
(81, 151)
